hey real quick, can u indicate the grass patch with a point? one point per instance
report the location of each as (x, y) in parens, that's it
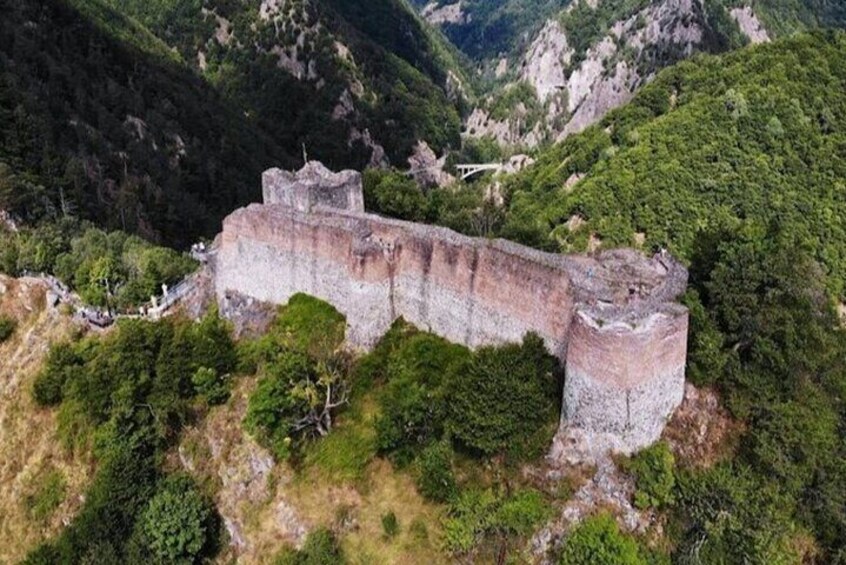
(49, 490)
(343, 455)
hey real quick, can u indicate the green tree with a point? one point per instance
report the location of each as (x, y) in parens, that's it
(412, 403)
(653, 471)
(728, 515)
(394, 194)
(598, 541)
(177, 522)
(503, 397)
(296, 399)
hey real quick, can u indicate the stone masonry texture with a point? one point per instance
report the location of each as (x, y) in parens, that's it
(610, 318)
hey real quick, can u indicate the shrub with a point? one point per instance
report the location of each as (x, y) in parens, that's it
(521, 513)
(502, 397)
(435, 479)
(467, 520)
(475, 514)
(7, 328)
(309, 325)
(598, 541)
(178, 522)
(207, 383)
(419, 529)
(321, 548)
(653, 470)
(390, 525)
(63, 364)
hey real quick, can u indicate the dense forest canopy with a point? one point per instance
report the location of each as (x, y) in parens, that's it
(736, 164)
(754, 136)
(97, 127)
(107, 113)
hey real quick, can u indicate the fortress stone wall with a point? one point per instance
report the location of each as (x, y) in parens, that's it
(611, 318)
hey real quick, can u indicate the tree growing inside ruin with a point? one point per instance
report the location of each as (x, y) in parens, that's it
(304, 376)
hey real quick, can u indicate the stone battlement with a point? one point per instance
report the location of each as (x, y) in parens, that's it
(314, 185)
(610, 318)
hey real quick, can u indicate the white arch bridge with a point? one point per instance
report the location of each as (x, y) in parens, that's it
(466, 171)
(471, 169)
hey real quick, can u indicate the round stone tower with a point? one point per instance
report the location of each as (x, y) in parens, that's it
(624, 374)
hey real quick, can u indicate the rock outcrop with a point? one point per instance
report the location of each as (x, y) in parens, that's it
(427, 169)
(610, 318)
(578, 87)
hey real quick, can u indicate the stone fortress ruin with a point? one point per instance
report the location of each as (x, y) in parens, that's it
(611, 318)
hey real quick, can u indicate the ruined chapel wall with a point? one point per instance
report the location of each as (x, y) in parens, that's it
(313, 186)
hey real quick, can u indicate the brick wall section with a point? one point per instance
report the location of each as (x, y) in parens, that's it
(609, 318)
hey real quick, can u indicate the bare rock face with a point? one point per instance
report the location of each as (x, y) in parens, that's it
(611, 318)
(378, 156)
(313, 185)
(607, 488)
(449, 14)
(427, 169)
(507, 132)
(545, 62)
(750, 25)
(579, 89)
(517, 163)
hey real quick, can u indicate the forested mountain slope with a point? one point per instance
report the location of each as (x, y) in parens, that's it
(110, 129)
(736, 164)
(753, 135)
(352, 81)
(158, 117)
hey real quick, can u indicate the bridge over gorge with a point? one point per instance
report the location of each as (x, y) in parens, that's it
(471, 169)
(466, 171)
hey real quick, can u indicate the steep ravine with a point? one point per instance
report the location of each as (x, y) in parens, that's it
(576, 85)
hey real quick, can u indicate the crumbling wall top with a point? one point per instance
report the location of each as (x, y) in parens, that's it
(314, 185)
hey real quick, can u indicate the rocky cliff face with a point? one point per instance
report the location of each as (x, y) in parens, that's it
(576, 81)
